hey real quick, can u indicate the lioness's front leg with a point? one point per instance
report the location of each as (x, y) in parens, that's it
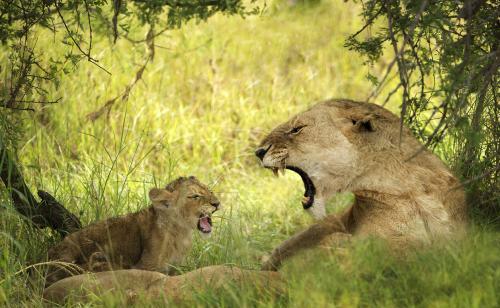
(308, 238)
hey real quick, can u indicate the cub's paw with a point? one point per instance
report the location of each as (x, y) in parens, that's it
(268, 264)
(265, 258)
(98, 262)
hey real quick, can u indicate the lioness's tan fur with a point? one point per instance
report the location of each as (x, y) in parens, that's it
(152, 239)
(153, 285)
(403, 193)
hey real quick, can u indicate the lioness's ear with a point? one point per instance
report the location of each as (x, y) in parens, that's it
(364, 124)
(160, 196)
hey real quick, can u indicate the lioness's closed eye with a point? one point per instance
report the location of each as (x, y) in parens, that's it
(152, 239)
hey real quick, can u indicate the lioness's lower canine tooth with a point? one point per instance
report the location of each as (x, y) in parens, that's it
(275, 171)
(305, 199)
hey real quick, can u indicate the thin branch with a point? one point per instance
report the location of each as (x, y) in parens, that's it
(381, 83)
(474, 179)
(175, 4)
(368, 23)
(89, 58)
(402, 74)
(397, 52)
(146, 39)
(17, 108)
(388, 97)
(117, 4)
(90, 26)
(93, 116)
(38, 102)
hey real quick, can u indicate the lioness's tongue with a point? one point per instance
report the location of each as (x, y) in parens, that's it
(205, 224)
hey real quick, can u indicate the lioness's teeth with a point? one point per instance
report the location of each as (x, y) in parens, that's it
(282, 171)
(305, 200)
(275, 171)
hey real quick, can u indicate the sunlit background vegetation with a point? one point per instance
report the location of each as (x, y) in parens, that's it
(211, 92)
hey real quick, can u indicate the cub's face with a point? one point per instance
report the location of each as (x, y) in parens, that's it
(193, 201)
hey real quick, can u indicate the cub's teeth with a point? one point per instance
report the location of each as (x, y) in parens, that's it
(275, 171)
(305, 200)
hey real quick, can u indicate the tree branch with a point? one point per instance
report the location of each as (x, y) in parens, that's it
(93, 116)
(86, 54)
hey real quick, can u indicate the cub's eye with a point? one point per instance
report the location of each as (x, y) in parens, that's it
(296, 129)
(196, 197)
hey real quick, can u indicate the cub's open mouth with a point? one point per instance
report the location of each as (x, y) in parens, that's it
(310, 190)
(205, 223)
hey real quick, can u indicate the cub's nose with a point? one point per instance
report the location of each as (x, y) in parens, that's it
(261, 152)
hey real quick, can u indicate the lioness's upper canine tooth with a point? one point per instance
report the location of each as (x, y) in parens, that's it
(305, 199)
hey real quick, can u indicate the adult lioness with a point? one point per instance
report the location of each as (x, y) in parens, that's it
(152, 239)
(342, 145)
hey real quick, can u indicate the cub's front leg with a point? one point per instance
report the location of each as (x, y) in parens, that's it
(308, 238)
(155, 255)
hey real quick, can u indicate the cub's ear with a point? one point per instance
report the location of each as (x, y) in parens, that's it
(364, 124)
(160, 197)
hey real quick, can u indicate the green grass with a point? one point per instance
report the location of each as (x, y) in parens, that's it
(201, 108)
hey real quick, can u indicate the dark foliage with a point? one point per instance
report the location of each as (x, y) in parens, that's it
(446, 58)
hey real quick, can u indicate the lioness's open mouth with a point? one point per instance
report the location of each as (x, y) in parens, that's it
(205, 223)
(310, 190)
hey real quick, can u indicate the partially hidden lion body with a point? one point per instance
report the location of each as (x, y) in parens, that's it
(403, 192)
(154, 239)
(136, 284)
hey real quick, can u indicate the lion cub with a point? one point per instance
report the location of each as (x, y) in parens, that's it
(151, 239)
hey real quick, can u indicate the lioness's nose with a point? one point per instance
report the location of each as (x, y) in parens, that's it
(261, 152)
(215, 204)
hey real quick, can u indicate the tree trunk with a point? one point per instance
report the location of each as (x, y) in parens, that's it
(46, 213)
